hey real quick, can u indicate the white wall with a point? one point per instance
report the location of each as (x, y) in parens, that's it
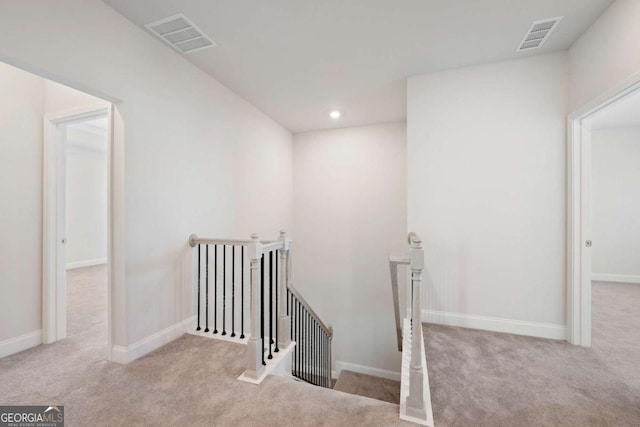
(86, 208)
(21, 109)
(60, 98)
(616, 204)
(349, 192)
(606, 54)
(190, 147)
(486, 192)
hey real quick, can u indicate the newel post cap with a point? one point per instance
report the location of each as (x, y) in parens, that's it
(286, 242)
(415, 241)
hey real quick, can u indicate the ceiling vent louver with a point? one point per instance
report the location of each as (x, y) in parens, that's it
(180, 33)
(538, 34)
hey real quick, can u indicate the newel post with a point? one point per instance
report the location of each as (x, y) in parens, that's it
(284, 324)
(255, 345)
(415, 400)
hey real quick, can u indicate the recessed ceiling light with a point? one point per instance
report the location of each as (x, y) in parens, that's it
(334, 114)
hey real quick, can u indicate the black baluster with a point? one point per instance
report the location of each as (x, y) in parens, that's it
(320, 357)
(242, 292)
(198, 328)
(276, 312)
(294, 329)
(270, 303)
(290, 316)
(215, 289)
(299, 336)
(321, 360)
(305, 351)
(323, 371)
(206, 275)
(308, 340)
(233, 291)
(303, 338)
(313, 350)
(224, 289)
(310, 330)
(320, 343)
(293, 326)
(321, 364)
(300, 340)
(270, 296)
(262, 307)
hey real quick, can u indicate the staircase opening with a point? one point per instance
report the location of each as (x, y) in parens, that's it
(244, 293)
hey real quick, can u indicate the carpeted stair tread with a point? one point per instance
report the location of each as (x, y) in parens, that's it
(368, 386)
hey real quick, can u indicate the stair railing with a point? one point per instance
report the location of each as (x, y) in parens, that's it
(259, 253)
(262, 303)
(257, 270)
(311, 360)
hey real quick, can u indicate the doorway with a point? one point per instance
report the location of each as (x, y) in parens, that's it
(33, 306)
(585, 129)
(76, 303)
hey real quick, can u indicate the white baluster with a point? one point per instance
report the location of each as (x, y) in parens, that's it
(415, 400)
(254, 346)
(284, 325)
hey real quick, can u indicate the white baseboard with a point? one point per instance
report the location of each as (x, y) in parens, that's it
(20, 343)
(620, 278)
(496, 324)
(146, 345)
(367, 370)
(86, 263)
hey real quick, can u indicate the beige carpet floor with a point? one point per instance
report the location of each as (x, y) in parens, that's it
(477, 378)
(191, 382)
(481, 378)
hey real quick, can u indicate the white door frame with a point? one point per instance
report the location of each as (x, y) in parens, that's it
(54, 197)
(579, 211)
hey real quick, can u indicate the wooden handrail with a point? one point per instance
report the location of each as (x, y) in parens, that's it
(327, 329)
(195, 240)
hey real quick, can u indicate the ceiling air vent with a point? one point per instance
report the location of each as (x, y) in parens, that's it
(538, 33)
(180, 33)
